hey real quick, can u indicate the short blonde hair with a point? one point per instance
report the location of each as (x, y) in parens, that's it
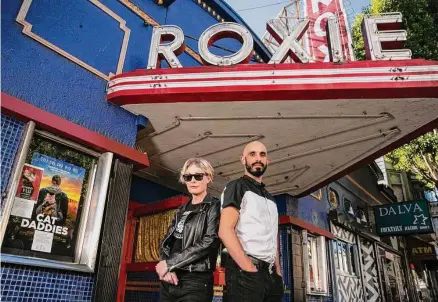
(201, 163)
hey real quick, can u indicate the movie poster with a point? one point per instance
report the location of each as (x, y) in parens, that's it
(27, 191)
(51, 224)
(29, 183)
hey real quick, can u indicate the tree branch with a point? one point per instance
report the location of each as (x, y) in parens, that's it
(430, 172)
(422, 172)
(433, 166)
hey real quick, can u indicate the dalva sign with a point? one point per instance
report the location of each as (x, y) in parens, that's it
(381, 44)
(400, 209)
(403, 218)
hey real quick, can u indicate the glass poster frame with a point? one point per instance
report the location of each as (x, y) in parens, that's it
(56, 202)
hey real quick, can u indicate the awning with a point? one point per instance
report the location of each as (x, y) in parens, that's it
(319, 121)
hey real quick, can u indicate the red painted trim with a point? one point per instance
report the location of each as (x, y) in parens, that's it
(69, 130)
(305, 225)
(282, 93)
(141, 267)
(133, 205)
(225, 89)
(160, 206)
(128, 247)
(370, 73)
(136, 209)
(257, 67)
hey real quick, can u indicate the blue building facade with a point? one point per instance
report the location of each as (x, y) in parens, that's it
(57, 58)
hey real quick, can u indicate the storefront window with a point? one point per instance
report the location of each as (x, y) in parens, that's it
(52, 200)
(335, 253)
(345, 257)
(317, 265)
(396, 182)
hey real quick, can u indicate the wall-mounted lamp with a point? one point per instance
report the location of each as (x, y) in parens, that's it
(349, 209)
(360, 216)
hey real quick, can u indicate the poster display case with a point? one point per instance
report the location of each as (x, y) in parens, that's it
(56, 204)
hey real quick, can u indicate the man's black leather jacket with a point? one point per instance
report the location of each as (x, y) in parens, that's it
(200, 242)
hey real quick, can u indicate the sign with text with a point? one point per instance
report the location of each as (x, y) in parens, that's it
(420, 250)
(403, 218)
(319, 12)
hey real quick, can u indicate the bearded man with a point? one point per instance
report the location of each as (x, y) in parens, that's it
(248, 228)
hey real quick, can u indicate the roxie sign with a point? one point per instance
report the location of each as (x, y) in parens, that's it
(381, 44)
(403, 218)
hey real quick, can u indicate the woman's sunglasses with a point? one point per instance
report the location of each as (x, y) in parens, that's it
(197, 176)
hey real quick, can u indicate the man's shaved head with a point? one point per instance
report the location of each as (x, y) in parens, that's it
(252, 146)
(255, 159)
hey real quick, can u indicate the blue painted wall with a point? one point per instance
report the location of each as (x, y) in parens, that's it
(316, 211)
(42, 77)
(145, 191)
(307, 208)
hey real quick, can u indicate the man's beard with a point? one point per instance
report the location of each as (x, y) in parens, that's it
(259, 171)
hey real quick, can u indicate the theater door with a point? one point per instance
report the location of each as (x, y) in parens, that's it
(146, 226)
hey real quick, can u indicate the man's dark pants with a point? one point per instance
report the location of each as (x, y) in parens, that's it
(242, 286)
(192, 287)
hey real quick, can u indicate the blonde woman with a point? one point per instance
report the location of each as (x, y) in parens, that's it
(190, 247)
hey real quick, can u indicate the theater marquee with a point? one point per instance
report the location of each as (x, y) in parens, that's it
(318, 119)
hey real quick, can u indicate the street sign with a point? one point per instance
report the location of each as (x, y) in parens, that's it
(403, 218)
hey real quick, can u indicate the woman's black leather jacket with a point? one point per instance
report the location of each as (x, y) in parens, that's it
(200, 242)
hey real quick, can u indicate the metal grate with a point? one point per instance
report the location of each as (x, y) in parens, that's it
(140, 296)
(113, 231)
(137, 296)
(11, 132)
(23, 283)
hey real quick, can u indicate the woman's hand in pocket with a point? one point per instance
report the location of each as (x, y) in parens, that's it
(171, 278)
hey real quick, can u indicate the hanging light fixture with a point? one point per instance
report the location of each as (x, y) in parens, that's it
(350, 211)
(364, 218)
(358, 216)
(349, 208)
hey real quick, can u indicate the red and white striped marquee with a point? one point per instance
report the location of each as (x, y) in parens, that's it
(318, 120)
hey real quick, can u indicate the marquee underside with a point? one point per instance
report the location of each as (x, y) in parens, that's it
(339, 117)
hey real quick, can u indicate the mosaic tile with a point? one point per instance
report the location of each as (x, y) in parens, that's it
(20, 284)
(11, 132)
